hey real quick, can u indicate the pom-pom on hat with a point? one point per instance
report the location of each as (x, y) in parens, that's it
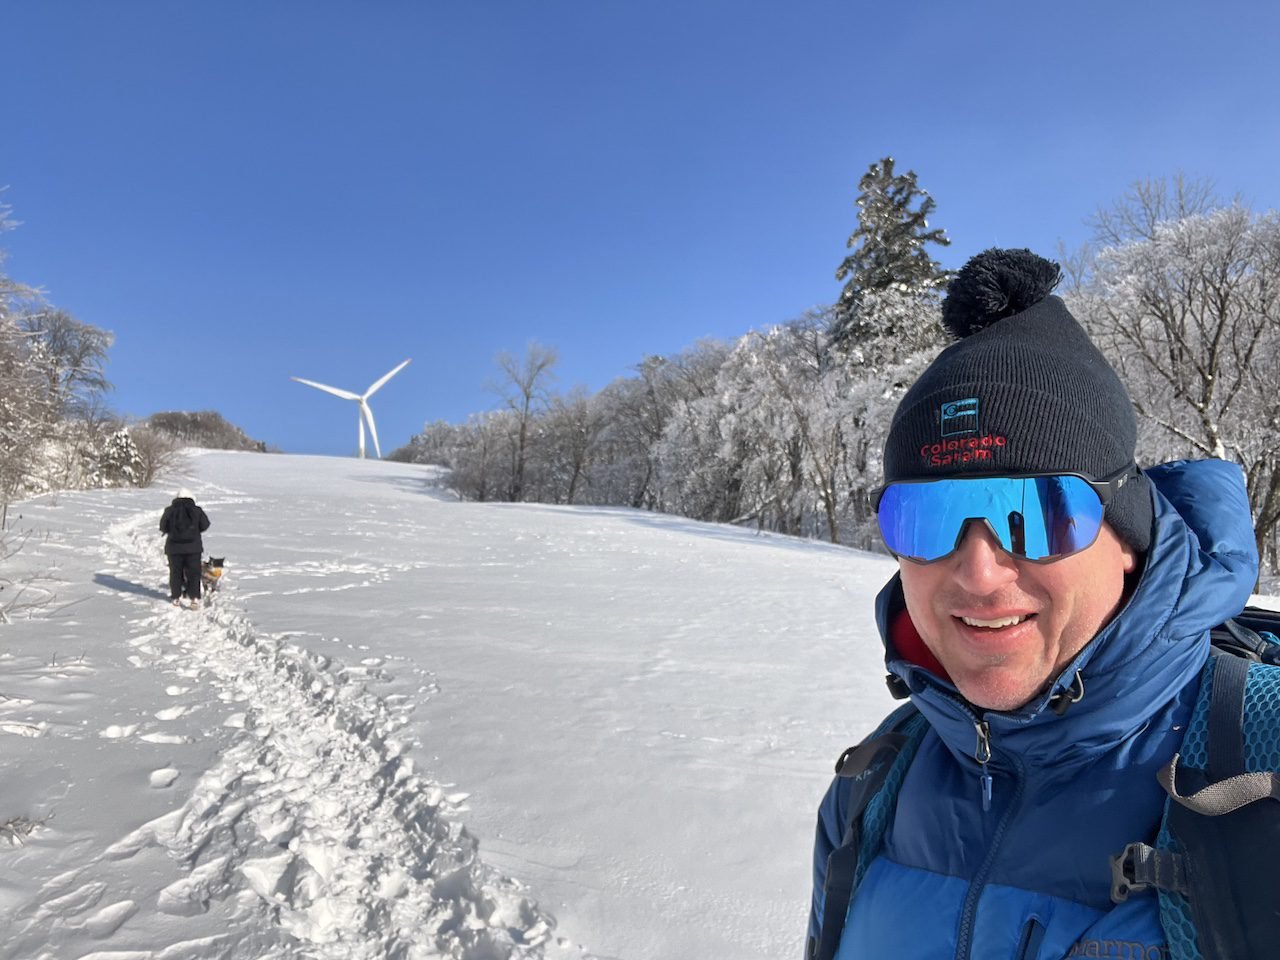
(1023, 390)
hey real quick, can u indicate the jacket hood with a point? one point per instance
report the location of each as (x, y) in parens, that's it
(1199, 571)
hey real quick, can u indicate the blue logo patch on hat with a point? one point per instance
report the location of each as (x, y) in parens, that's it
(959, 416)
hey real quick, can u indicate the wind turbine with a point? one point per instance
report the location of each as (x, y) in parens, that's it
(365, 413)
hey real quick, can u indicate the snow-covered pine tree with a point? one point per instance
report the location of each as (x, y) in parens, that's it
(890, 272)
(118, 463)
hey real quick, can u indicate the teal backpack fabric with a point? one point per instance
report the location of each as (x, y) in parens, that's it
(1220, 903)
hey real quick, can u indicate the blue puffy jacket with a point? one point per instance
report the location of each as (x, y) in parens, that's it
(1029, 878)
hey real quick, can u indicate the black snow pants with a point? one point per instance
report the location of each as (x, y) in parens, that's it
(184, 575)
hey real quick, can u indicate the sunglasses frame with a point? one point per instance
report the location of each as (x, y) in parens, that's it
(1106, 490)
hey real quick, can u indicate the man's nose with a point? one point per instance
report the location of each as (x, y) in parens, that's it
(980, 565)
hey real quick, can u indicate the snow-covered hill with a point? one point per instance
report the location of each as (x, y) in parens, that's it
(410, 727)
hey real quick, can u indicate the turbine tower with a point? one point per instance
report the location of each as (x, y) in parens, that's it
(364, 414)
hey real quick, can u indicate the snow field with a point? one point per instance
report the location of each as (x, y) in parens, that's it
(408, 727)
(312, 828)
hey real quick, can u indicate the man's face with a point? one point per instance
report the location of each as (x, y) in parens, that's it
(1003, 627)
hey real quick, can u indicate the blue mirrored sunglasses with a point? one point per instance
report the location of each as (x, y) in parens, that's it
(1040, 516)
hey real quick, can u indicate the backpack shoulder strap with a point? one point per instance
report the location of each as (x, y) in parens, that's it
(1221, 828)
(1253, 634)
(869, 775)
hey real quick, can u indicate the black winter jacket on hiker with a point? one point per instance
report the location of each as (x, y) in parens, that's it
(182, 523)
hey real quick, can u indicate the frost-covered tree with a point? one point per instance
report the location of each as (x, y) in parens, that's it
(117, 463)
(482, 456)
(72, 355)
(1149, 203)
(693, 474)
(821, 418)
(1190, 316)
(889, 263)
(571, 431)
(27, 411)
(27, 414)
(524, 388)
(788, 370)
(624, 467)
(437, 444)
(701, 459)
(641, 422)
(628, 466)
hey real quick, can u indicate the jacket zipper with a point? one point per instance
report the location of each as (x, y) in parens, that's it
(982, 753)
(964, 942)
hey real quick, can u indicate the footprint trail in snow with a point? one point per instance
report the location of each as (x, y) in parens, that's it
(312, 833)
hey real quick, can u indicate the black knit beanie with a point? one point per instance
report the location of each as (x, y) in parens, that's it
(1023, 390)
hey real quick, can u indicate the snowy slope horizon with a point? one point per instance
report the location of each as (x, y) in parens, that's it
(631, 716)
(412, 727)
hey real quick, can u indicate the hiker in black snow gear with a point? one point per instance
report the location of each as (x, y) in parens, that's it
(182, 523)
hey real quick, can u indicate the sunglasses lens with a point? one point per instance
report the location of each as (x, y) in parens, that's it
(1038, 518)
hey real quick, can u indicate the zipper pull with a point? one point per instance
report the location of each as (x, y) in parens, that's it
(983, 754)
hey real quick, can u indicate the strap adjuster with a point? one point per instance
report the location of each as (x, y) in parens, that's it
(1140, 867)
(898, 688)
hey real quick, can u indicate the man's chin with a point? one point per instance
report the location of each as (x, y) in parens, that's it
(994, 692)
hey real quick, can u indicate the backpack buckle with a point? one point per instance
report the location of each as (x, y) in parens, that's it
(1123, 881)
(1140, 867)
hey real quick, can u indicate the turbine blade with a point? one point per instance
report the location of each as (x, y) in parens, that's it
(383, 379)
(373, 431)
(344, 394)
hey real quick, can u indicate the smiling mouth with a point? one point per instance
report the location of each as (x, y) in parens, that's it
(996, 624)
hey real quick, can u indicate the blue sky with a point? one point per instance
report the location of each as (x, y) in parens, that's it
(245, 191)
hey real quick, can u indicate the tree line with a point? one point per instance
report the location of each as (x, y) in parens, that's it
(783, 428)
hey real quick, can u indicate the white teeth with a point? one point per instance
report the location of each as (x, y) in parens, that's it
(994, 624)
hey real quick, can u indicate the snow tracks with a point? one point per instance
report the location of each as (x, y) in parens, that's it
(312, 832)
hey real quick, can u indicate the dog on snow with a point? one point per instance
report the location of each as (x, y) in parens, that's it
(211, 571)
